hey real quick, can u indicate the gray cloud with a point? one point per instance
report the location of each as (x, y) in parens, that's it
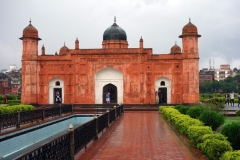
(159, 22)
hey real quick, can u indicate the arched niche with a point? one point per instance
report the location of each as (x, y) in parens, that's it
(164, 84)
(55, 85)
(106, 76)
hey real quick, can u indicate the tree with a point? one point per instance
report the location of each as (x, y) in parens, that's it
(215, 86)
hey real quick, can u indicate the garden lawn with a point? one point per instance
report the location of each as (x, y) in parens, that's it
(229, 120)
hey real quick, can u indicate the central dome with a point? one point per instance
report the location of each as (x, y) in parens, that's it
(114, 33)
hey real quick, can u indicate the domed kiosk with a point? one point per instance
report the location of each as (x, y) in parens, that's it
(30, 32)
(63, 50)
(189, 29)
(175, 49)
(114, 37)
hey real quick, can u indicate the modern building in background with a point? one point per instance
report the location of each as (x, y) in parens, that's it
(10, 81)
(209, 75)
(222, 73)
(131, 75)
(206, 75)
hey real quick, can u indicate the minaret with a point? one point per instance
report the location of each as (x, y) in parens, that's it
(43, 50)
(190, 40)
(76, 44)
(141, 43)
(190, 64)
(29, 64)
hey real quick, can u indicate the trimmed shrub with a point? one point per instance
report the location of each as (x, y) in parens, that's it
(194, 112)
(170, 113)
(162, 107)
(14, 101)
(238, 113)
(183, 109)
(15, 108)
(232, 131)
(212, 119)
(231, 155)
(195, 133)
(183, 122)
(179, 106)
(213, 136)
(12, 97)
(4, 110)
(214, 148)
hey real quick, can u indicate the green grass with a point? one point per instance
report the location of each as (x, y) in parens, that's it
(229, 120)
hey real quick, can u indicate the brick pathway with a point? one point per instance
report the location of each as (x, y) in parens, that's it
(140, 136)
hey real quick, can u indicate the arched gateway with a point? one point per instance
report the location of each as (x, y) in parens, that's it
(164, 84)
(111, 80)
(112, 89)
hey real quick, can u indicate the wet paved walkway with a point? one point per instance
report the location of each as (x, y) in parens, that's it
(140, 136)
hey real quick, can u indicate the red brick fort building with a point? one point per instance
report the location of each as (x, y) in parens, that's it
(131, 75)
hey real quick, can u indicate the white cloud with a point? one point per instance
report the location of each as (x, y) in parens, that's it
(8, 56)
(235, 63)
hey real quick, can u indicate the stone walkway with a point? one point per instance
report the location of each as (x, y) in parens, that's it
(140, 136)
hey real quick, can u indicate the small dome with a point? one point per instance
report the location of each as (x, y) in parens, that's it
(114, 33)
(63, 50)
(30, 31)
(76, 41)
(189, 28)
(175, 49)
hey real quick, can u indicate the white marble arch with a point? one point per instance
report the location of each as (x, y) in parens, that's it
(105, 76)
(51, 86)
(167, 85)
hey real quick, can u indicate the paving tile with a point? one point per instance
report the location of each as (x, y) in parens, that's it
(140, 136)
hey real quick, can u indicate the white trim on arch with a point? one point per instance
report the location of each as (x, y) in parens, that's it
(51, 86)
(104, 77)
(167, 85)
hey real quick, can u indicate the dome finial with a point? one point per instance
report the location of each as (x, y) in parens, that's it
(30, 21)
(189, 19)
(64, 43)
(175, 42)
(114, 19)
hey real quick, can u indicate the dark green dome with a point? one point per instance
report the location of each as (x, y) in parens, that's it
(114, 33)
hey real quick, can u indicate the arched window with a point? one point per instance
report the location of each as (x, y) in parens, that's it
(57, 83)
(162, 83)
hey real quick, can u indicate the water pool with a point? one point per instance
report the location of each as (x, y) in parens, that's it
(16, 143)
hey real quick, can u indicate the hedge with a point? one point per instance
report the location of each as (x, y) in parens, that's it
(232, 131)
(212, 119)
(15, 108)
(231, 155)
(195, 133)
(212, 145)
(214, 148)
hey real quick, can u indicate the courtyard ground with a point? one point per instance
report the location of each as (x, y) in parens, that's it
(141, 136)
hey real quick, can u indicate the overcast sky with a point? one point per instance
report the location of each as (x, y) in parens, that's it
(159, 22)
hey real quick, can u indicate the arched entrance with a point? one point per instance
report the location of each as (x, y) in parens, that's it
(109, 77)
(164, 94)
(112, 89)
(56, 91)
(164, 84)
